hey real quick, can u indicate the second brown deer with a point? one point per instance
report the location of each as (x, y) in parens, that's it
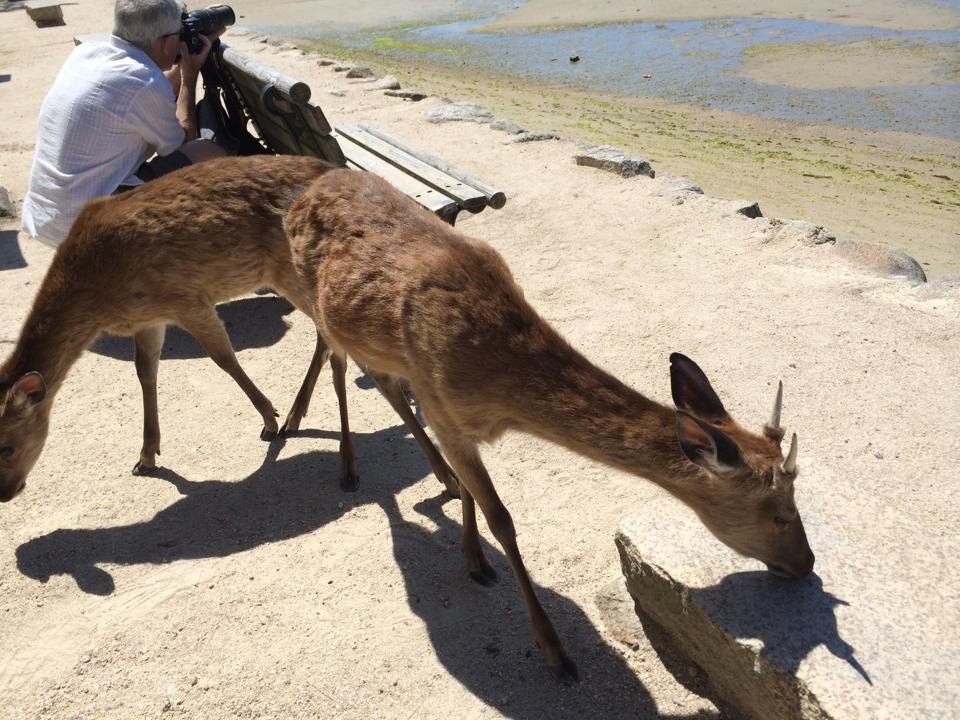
(412, 298)
(167, 253)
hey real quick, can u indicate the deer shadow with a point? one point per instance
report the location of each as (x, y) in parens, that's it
(250, 322)
(482, 635)
(11, 257)
(280, 500)
(790, 618)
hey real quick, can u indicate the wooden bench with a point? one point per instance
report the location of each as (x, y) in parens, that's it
(285, 122)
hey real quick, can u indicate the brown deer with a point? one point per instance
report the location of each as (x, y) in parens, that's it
(410, 297)
(167, 252)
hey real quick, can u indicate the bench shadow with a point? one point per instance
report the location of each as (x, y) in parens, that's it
(790, 618)
(250, 322)
(5, 77)
(482, 635)
(11, 257)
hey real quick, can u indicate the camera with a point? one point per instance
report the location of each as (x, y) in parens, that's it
(204, 22)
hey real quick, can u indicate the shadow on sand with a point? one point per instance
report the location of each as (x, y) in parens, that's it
(11, 258)
(480, 635)
(250, 322)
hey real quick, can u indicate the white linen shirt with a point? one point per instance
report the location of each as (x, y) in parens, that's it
(109, 109)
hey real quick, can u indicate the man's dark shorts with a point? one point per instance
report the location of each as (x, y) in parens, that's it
(160, 165)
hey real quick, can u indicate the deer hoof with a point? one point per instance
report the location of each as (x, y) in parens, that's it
(566, 672)
(485, 576)
(268, 435)
(349, 483)
(142, 470)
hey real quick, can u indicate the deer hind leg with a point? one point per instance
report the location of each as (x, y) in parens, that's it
(349, 480)
(480, 570)
(391, 388)
(204, 324)
(147, 344)
(302, 402)
(475, 481)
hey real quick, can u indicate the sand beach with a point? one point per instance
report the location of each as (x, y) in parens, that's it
(241, 582)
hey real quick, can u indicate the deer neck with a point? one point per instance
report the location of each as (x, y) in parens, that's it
(57, 331)
(590, 412)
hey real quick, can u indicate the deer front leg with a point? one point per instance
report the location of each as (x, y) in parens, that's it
(349, 480)
(302, 402)
(204, 324)
(475, 481)
(390, 387)
(147, 344)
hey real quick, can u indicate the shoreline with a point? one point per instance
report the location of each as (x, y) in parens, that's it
(898, 189)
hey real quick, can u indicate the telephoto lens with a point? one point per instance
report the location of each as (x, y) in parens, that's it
(205, 22)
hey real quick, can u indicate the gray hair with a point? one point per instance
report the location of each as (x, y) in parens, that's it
(141, 22)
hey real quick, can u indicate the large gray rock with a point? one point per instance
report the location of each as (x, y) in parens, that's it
(873, 634)
(459, 112)
(612, 160)
(670, 184)
(6, 204)
(387, 82)
(882, 259)
(360, 73)
(413, 95)
(525, 137)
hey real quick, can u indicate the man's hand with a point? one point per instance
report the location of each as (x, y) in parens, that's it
(190, 64)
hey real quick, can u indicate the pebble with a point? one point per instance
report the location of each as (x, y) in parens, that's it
(84, 658)
(635, 647)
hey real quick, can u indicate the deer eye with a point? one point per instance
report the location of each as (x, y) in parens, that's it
(6, 452)
(780, 522)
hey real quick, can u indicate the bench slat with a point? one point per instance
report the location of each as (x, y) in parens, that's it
(469, 198)
(361, 158)
(495, 198)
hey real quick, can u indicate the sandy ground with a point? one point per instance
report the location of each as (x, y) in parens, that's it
(868, 64)
(243, 583)
(892, 14)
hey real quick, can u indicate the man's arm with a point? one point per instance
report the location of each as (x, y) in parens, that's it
(187, 96)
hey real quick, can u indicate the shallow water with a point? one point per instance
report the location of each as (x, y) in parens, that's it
(691, 61)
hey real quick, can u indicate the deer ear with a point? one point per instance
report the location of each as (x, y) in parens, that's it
(692, 391)
(27, 391)
(707, 447)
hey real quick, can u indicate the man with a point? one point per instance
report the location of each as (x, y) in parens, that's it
(113, 105)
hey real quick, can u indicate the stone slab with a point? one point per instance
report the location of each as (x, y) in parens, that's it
(873, 633)
(613, 160)
(45, 12)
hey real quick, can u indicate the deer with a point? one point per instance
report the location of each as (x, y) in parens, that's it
(167, 253)
(416, 301)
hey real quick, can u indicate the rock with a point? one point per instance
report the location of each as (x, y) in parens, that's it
(342, 68)
(459, 112)
(413, 95)
(531, 137)
(882, 259)
(45, 14)
(326, 62)
(749, 209)
(6, 204)
(275, 41)
(612, 160)
(360, 72)
(801, 231)
(671, 184)
(389, 82)
(837, 644)
(574, 58)
(506, 126)
(337, 93)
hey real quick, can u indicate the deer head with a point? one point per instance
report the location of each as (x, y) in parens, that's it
(23, 431)
(746, 499)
